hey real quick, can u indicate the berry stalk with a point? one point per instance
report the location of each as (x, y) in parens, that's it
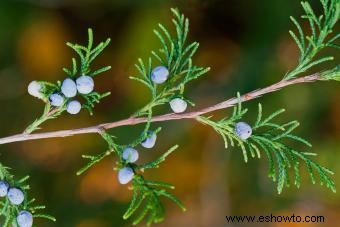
(49, 113)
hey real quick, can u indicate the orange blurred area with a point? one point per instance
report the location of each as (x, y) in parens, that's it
(42, 49)
(100, 184)
(287, 53)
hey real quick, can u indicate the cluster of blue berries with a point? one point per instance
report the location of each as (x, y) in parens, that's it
(130, 155)
(69, 89)
(16, 197)
(159, 75)
(243, 130)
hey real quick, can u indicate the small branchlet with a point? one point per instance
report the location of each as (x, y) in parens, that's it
(322, 29)
(270, 137)
(333, 74)
(145, 191)
(146, 197)
(150, 192)
(53, 109)
(112, 148)
(176, 56)
(10, 211)
(87, 54)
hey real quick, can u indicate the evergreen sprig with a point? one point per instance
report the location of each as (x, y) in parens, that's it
(144, 191)
(270, 137)
(112, 148)
(332, 74)
(150, 193)
(321, 28)
(8, 211)
(48, 114)
(177, 56)
(92, 99)
(87, 54)
(146, 197)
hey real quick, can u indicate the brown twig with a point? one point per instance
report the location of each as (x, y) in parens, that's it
(166, 117)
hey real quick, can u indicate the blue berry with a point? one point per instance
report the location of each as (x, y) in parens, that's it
(178, 105)
(73, 107)
(34, 89)
(85, 84)
(243, 130)
(25, 219)
(15, 196)
(150, 141)
(130, 154)
(3, 188)
(125, 175)
(69, 88)
(159, 74)
(56, 99)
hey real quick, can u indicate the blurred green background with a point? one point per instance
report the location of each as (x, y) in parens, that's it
(247, 45)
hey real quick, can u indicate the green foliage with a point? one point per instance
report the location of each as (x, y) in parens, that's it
(321, 28)
(225, 127)
(270, 137)
(145, 191)
(146, 197)
(333, 74)
(9, 211)
(177, 56)
(150, 192)
(48, 114)
(92, 99)
(155, 163)
(112, 148)
(86, 54)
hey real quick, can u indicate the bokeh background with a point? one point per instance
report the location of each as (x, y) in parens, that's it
(247, 45)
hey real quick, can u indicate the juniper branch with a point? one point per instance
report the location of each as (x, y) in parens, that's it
(168, 117)
(8, 210)
(176, 54)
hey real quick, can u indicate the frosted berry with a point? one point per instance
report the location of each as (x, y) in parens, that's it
(150, 141)
(25, 219)
(130, 154)
(73, 107)
(69, 88)
(15, 196)
(3, 188)
(56, 99)
(34, 89)
(178, 105)
(85, 84)
(243, 130)
(159, 74)
(125, 175)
